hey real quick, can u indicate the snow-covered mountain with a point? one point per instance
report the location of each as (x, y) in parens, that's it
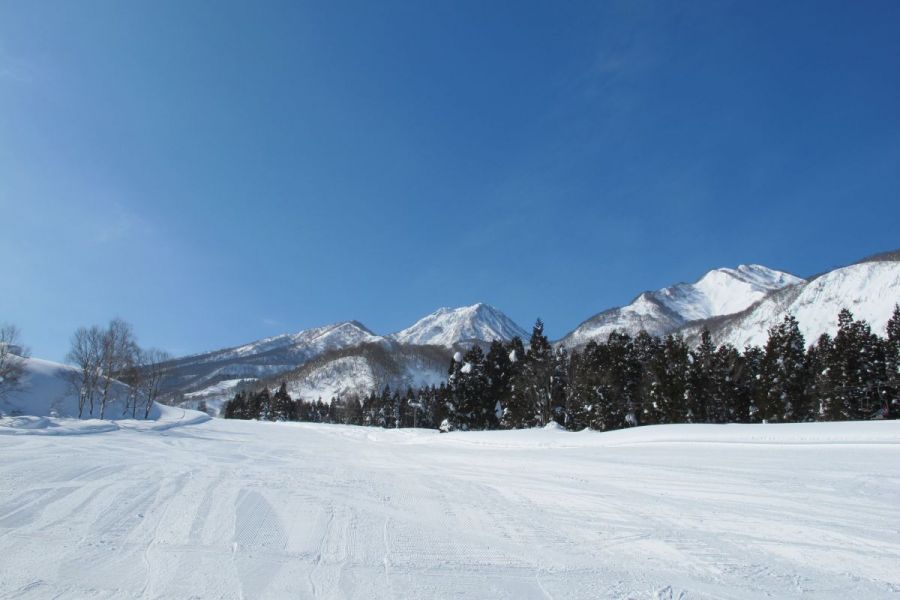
(868, 289)
(719, 292)
(450, 326)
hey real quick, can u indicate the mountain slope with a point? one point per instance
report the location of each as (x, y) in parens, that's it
(869, 289)
(450, 326)
(263, 358)
(719, 292)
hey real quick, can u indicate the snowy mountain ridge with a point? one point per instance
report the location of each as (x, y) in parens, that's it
(868, 289)
(719, 292)
(314, 340)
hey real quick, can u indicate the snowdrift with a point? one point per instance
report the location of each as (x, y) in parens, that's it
(46, 404)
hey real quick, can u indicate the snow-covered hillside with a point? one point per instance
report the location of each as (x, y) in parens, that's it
(719, 292)
(237, 509)
(449, 326)
(869, 289)
(46, 402)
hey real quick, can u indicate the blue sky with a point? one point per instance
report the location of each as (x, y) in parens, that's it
(218, 172)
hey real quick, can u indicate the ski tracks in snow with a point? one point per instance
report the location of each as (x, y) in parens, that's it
(255, 510)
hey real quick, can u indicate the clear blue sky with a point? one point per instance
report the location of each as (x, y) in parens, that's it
(218, 172)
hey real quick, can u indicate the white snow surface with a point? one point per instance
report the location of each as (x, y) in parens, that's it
(449, 326)
(231, 509)
(719, 292)
(870, 290)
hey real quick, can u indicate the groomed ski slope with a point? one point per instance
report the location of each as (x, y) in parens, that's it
(227, 509)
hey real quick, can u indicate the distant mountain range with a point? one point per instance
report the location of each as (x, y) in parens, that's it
(737, 305)
(342, 358)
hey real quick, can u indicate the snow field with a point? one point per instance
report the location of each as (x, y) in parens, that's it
(232, 509)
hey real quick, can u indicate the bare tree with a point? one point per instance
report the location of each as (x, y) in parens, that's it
(118, 350)
(133, 376)
(12, 359)
(153, 374)
(85, 353)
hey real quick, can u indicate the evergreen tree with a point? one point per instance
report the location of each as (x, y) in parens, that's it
(784, 374)
(622, 381)
(474, 410)
(700, 384)
(235, 408)
(646, 348)
(578, 394)
(282, 405)
(453, 406)
(517, 410)
(559, 387)
(498, 370)
(818, 364)
(892, 365)
(669, 368)
(538, 369)
(729, 401)
(857, 377)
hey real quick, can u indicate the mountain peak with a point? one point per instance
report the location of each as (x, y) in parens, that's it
(449, 326)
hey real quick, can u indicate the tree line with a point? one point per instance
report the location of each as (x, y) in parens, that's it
(628, 381)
